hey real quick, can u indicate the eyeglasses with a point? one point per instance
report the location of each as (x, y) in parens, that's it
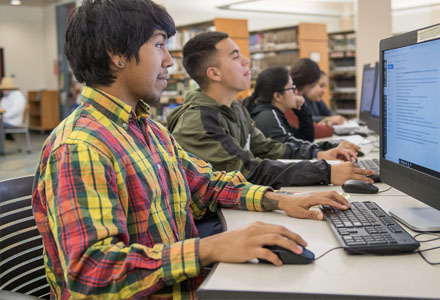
(293, 88)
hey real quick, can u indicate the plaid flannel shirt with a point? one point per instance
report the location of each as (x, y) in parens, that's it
(115, 199)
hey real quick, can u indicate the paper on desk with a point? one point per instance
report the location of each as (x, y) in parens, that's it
(290, 161)
(348, 124)
(355, 139)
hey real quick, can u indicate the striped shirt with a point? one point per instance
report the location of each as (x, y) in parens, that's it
(115, 200)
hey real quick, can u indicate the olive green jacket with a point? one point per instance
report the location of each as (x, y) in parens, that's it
(228, 139)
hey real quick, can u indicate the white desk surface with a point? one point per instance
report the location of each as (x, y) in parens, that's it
(336, 275)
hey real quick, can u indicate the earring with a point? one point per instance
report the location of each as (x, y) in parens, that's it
(121, 64)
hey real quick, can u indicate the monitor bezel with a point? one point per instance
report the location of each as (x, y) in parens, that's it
(365, 115)
(421, 186)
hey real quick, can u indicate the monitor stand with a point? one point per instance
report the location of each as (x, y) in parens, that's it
(422, 219)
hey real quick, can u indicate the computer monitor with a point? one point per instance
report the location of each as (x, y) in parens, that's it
(368, 80)
(410, 123)
(373, 120)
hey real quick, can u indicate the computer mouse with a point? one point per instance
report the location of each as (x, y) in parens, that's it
(290, 258)
(360, 154)
(359, 186)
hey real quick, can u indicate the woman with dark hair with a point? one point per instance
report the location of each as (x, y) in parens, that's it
(317, 107)
(275, 93)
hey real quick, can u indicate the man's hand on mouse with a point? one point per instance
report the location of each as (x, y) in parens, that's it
(244, 244)
(342, 172)
(298, 206)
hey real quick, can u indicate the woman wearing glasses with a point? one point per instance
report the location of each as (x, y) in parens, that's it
(275, 93)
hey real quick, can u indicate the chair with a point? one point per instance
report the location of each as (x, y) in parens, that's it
(22, 269)
(22, 129)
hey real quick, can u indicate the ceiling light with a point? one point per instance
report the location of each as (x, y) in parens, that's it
(15, 2)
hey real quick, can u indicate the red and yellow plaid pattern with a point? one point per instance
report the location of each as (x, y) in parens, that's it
(115, 200)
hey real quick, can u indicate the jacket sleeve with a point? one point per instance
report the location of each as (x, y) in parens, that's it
(306, 131)
(209, 141)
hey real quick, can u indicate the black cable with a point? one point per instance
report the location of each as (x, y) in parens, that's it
(385, 190)
(328, 251)
(420, 252)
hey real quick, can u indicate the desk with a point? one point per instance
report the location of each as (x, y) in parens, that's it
(2, 132)
(337, 275)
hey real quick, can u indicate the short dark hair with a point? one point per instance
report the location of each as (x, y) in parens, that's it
(198, 54)
(121, 27)
(304, 72)
(269, 81)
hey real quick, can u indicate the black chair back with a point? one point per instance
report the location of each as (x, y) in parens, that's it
(21, 246)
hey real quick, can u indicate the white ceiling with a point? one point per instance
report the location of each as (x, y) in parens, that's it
(293, 11)
(34, 3)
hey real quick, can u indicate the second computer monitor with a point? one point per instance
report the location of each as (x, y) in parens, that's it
(368, 81)
(373, 120)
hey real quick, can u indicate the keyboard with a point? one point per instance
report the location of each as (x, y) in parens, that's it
(371, 164)
(366, 228)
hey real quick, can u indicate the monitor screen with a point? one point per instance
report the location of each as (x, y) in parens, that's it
(368, 80)
(376, 99)
(409, 110)
(373, 120)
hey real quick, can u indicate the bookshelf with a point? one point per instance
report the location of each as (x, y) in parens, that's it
(281, 47)
(43, 110)
(179, 82)
(342, 75)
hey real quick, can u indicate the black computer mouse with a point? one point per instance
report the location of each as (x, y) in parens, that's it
(359, 186)
(360, 154)
(290, 258)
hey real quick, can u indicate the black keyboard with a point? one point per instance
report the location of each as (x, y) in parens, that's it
(371, 164)
(366, 228)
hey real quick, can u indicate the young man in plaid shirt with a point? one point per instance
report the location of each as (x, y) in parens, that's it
(115, 196)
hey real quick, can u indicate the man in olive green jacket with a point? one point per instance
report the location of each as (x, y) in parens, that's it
(211, 125)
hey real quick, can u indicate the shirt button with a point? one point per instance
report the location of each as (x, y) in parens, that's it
(125, 126)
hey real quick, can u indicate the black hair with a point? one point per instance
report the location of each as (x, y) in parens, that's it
(198, 54)
(269, 81)
(121, 27)
(304, 72)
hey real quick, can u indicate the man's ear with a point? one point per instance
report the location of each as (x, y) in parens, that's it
(117, 61)
(213, 74)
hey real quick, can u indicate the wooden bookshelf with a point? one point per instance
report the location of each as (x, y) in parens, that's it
(44, 110)
(342, 75)
(281, 47)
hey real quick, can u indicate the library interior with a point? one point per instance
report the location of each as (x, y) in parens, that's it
(219, 149)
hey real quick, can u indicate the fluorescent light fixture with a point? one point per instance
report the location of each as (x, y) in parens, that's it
(313, 8)
(15, 2)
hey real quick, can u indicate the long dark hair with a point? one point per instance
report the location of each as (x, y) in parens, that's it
(269, 81)
(304, 72)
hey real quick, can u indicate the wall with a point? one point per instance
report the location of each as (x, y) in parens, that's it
(408, 20)
(369, 34)
(23, 40)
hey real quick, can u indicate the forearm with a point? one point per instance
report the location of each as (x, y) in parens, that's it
(211, 189)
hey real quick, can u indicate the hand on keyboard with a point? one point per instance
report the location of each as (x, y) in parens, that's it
(342, 172)
(337, 153)
(298, 206)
